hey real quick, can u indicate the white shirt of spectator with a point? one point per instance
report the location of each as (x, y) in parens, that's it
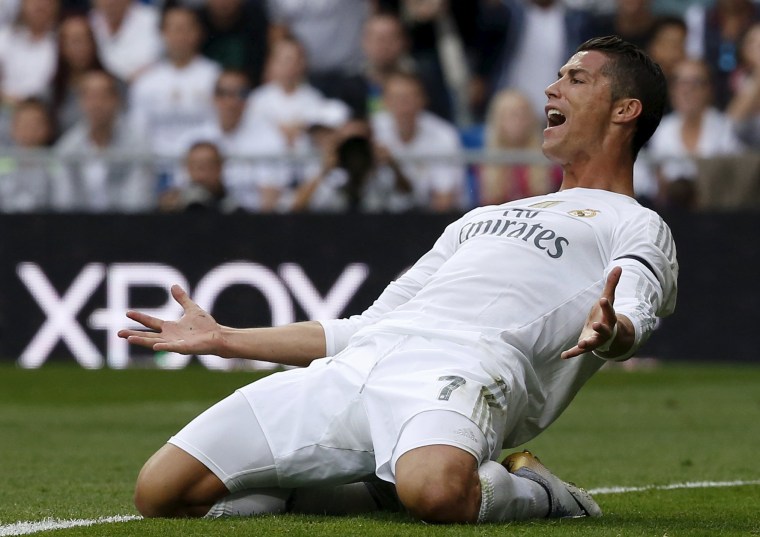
(539, 54)
(165, 102)
(26, 64)
(330, 30)
(243, 178)
(135, 46)
(93, 181)
(435, 137)
(716, 137)
(271, 103)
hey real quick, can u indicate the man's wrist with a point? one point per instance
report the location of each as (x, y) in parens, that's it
(605, 347)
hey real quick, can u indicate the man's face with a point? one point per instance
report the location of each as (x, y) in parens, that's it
(404, 99)
(31, 127)
(204, 166)
(668, 46)
(39, 15)
(690, 90)
(287, 64)
(182, 34)
(383, 41)
(99, 99)
(230, 97)
(579, 108)
(76, 45)
(751, 48)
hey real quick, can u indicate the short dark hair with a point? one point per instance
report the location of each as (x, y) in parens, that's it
(205, 144)
(115, 85)
(666, 21)
(633, 75)
(406, 75)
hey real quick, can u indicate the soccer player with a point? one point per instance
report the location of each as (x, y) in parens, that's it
(480, 345)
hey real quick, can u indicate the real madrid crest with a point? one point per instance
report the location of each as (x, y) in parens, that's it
(584, 213)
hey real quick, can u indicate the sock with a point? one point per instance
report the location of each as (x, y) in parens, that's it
(508, 497)
(251, 502)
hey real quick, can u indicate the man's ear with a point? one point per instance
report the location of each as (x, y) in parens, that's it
(626, 110)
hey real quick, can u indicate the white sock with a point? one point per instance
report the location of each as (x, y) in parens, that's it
(251, 502)
(508, 497)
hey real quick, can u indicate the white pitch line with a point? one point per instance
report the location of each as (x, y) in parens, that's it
(674, 486)
(26, 528)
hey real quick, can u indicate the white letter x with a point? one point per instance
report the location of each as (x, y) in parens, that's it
(61, 314)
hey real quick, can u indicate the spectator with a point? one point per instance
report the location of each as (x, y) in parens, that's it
(511, 124)
(331, 34)
(407, 131)
(28, 51)
(443, 35)
(127, 33)
(667, 45)
(714, 33)
(744, 107)
(176, 94)
(77, 54)
(205, 190)
(386, 50)
(355, 176)
(256, 185)
(694, 129)
(235, 35)
(287, 99)
(632, 20)
(25, 180)
(513, 35)
(100, 171)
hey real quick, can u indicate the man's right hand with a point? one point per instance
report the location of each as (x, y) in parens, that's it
(196, 332)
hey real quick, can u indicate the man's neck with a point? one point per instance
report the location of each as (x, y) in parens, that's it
(101, 135)
(182, 61)
(115, 20)
(611, 174)
(229, 125)
(407, 129)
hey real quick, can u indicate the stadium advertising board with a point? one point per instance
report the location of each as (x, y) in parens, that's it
(67, 280)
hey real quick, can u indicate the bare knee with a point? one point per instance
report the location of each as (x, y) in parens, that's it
(437, 502)
(439, 484)
(153, 498)
(172, 483)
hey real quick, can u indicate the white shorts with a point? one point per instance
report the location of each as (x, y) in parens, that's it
(346, 418)
(228, 440)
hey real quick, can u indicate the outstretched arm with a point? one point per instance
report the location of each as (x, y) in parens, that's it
(605, 332)
(197, 332)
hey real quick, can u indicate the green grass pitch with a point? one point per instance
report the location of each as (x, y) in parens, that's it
(72, 442)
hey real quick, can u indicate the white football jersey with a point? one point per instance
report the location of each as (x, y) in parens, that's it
(166, 102)
(515, 282)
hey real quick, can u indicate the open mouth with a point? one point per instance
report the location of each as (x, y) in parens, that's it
(555, 118)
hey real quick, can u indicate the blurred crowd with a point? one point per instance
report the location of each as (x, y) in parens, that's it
(340, 105)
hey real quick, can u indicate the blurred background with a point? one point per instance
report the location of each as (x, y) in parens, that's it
(285, 159)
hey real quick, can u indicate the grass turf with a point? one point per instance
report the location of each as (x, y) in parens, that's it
(72, 442)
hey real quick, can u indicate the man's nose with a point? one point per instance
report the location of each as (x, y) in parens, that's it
(552, 90)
